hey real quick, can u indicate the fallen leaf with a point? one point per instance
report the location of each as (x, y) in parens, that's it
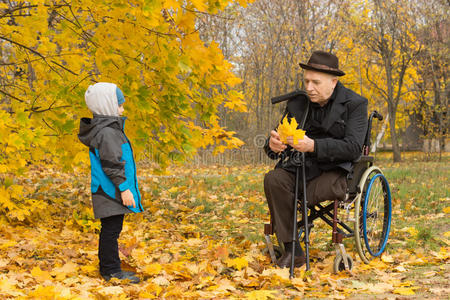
(111, 290)
(387, 258)
(400, 269)
(225, 285)
(237, 263)
(40, 275)
(429, 273)
(221, 252)
(380, 288)
(260, 295)
(152, 269)
(405, 291)
(281, 273)
(440, 291)
(161, 280)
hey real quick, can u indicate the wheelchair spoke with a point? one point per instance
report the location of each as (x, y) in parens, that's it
(372, 215)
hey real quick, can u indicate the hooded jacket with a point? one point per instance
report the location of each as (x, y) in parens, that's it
(113, 169)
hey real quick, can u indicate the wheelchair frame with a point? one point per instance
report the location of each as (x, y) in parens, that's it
(364, 181)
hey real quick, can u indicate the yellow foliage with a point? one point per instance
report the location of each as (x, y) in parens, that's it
(288, 129)
(151, 50)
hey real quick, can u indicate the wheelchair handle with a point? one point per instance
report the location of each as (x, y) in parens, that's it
(366, 146)
(377, 115)
(288, 96)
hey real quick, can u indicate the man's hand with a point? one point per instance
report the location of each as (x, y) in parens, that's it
(275, 143)
(127, 198)
(305, 145)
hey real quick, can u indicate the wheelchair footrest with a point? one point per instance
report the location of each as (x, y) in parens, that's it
(270, 248)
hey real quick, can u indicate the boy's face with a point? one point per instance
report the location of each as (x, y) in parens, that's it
(121, 109)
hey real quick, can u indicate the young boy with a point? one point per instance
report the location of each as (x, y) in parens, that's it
(114, 184)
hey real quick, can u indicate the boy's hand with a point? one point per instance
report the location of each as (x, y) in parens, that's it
(127, 198)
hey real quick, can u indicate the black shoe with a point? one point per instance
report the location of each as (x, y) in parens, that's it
(122, 275)
(129, 273)
(285, 260)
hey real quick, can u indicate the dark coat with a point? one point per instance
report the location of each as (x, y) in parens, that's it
(340, 139)
(113, 169)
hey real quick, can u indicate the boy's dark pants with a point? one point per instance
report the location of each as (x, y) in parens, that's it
(108, 247)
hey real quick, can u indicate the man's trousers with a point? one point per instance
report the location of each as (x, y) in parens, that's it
(279, 187)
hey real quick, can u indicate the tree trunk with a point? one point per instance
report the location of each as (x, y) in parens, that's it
(395, 147)
(380, 134)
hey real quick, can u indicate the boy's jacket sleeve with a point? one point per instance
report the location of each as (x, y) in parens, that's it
(110, 153)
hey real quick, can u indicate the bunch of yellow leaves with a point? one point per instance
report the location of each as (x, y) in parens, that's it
(286, 129)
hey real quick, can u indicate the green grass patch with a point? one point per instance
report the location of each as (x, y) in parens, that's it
(231, 204)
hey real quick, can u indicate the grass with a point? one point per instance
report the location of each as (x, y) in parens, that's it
(227, 205)
(230, 200)
(420, 193)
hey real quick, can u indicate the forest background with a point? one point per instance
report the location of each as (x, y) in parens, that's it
(198, 76)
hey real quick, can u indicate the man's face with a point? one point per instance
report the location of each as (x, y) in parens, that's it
(319, 86)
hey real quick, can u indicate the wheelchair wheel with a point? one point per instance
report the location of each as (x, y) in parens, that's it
(372, 214)
(339, 264)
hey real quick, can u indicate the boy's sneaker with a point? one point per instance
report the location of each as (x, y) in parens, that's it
(122, 275)
(129, 273)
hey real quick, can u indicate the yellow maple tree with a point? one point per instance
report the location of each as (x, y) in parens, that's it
(51, 51)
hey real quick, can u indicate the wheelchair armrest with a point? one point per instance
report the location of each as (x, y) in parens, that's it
(358, 168)
(363, 158)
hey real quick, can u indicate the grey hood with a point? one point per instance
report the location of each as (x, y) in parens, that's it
(89, 128)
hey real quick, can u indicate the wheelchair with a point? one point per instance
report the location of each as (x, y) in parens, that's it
(367, 207)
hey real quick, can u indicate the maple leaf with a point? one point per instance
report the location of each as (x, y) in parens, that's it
(405, 291)
(261, 295)
(111, 290)
(153, 269)
(387, 258)
(161, 280)
(221, 252)
(289, 129)
(40, 275)
(237, 263)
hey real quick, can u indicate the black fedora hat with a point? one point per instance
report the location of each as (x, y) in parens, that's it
(325, 62)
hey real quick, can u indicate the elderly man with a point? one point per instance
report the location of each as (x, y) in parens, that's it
(335, 129)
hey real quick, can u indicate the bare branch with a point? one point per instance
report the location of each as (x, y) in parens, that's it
(383, 92)
(11, 96)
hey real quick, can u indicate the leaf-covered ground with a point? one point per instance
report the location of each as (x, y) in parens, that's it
(201, 236)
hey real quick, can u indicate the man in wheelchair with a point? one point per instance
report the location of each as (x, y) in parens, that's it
(335, 120)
